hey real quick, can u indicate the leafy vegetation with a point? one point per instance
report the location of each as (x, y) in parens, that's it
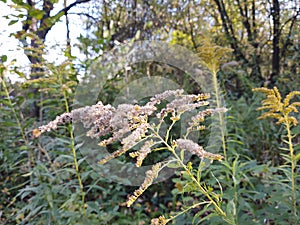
(242, 47)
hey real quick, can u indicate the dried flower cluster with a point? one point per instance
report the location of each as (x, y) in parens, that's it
(96, 117)
(278, 108)
(183, 104)
(196, 149)
(142, 153)
(200, 117)
(129, 124)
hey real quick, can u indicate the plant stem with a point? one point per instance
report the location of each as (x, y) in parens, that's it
(235, 200)
(74, 151)
(203, 191)
(77, 169)
(217, 93)
(187, 209)
(13, 110)
(30, 159)
(291, 148)
(219, 210)
(169, 130)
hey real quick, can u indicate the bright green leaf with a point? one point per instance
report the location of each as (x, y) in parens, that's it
(36, 13)
(297, 157)
(4, 58)
(18, 2)
(12, 22)
(8, 124)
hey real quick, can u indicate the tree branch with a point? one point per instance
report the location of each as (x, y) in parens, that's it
(47, 27)
(245, 20)
(227, 25)
(288, 36)
(84, 14)
(66, 9)
(293, 19)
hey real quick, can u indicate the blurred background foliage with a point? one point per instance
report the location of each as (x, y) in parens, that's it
(47, 181)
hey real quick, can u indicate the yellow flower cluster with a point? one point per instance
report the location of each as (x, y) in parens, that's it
(278, 109)
(211, 54)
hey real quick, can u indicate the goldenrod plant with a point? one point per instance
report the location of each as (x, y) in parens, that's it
(130, 125)
(283, 111)
(211, 55)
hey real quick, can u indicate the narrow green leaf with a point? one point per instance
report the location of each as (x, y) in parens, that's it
(182, 155)
(12, 22)
(174, 165)
(27, 174)
(65, 141)
(199, 214)
(50, 199)
(9, 124)
(297, 157)
(81, 160)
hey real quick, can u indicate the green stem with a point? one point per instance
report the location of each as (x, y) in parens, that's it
(77, 170)
(186, 210)
(74, 152)
(169, 130)
(30, 159)
(217, 93)
(236, 222)
(202, 190)
(293, 165)
(13, 110)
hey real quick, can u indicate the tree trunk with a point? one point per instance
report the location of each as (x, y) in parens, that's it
(36, 27)
(275, 44)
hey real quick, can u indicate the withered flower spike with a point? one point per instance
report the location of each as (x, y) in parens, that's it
(196, 149)
(150, 176)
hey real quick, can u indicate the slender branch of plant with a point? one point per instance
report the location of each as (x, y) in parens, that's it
(70, 130)
(16, 116)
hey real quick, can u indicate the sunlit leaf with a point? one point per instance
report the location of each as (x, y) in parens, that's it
(36, 13)
(4, 58)
(297, 157)
(12, 22)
